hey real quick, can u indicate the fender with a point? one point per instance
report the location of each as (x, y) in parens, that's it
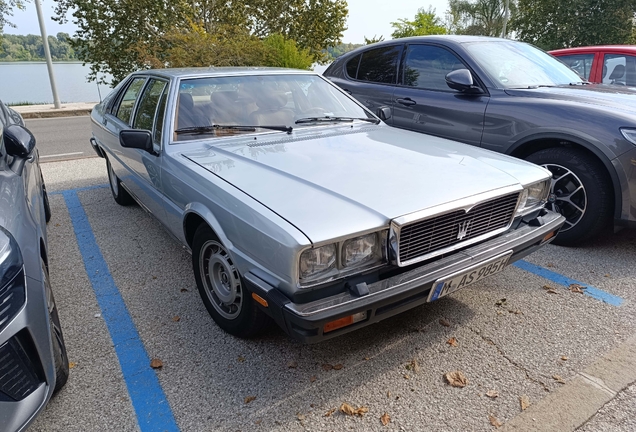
(204, 213)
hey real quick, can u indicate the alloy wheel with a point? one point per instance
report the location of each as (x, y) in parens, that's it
(567, 195)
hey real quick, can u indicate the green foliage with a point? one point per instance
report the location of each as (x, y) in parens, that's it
(6, 11)
(340, 49)
(425, 23)
(30, 48)
(552, 24)
(119, 36)
(285, 53)
(478, 17)
(373, 40)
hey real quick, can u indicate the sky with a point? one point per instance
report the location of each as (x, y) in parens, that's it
(366, 18)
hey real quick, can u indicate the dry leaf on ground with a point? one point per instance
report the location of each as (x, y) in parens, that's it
(349, 410)
(240, 359)
(388, 394)
(176, 318)
(444, 322)
(576, 288)
(564, 358)
(549, 265)
(249, 399)
(456, 378)
(492, 394)
(452, 342)
(184, 290)
(292, 364)
(338, 366)
(524, 401)
(327, 366)
(515, 311)
(500, 302)
(331, 411)
(547, 287)
(155, 363)
(313, 378)
(558, 379)
(552, 291)
(300, 417)
(494, 421)
(71, 365)
(413, 366)
(385, 419)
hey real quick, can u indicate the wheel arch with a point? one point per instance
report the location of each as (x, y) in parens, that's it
(197, 214)
(529, 145)
(43, 254)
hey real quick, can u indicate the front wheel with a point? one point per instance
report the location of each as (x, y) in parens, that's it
(121, 195)
(581, 191)
(60, 356)
(221, 287)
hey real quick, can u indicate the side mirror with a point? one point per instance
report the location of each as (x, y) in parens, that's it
(18, 141)
(462, 80)
(139, 139)
(384, 113)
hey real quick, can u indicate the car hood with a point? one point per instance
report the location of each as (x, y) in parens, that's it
(611, 96)
(336, 181)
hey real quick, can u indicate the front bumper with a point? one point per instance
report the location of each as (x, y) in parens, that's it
(396, 294)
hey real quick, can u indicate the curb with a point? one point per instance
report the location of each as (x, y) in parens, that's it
(577, 401)
(56, 113)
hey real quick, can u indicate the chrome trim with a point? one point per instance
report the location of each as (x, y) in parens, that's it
(430, 272)
(465, 204)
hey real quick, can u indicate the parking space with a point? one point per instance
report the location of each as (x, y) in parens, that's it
(127, 295)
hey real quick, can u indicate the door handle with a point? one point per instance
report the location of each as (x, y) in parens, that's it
(406, 101)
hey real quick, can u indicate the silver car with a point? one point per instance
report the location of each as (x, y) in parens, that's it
(300, 205)
(33, 359)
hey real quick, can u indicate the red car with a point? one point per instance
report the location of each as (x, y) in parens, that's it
(610, 64)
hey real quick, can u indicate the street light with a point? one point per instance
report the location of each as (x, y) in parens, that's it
(47, 54)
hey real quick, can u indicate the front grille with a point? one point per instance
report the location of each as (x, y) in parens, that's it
(11, 299)
(18, 378)
(438, 232)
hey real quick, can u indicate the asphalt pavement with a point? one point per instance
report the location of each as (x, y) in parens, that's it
(527, 342)
(62, 138)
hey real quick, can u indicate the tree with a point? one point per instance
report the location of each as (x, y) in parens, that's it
(6, 11)
(478, 17)
(552, 24)
(285, 53)
(119, 36)
(373, 40)
(425, 23)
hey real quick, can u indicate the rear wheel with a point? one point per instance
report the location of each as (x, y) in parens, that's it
(221, 287)
(581, 191)
(121, 195)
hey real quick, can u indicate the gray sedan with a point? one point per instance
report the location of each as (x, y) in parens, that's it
(300, 205)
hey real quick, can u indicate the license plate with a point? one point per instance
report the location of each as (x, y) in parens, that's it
(467, 277)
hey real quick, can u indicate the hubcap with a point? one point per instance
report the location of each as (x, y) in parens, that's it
(567, 195)
(221, 280)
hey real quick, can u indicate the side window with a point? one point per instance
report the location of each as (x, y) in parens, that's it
(127, 103)
(352, 66)
(148, 102)
(619, 69)
(161, 112)
(426, 66)
(580, 63)
(380, 65)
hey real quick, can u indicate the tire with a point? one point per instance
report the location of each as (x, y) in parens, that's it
(222, 288)
(60, 356)
(121, 195)
(581, 191)
(47, 206)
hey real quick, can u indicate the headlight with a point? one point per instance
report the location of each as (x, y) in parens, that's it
(534, 196)
(12, 282)
(318, 262)
(629, 134)
(360, 250)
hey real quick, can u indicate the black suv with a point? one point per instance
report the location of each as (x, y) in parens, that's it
(512, 98)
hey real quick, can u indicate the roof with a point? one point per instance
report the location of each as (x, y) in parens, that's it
(605, 48)
(212, 71)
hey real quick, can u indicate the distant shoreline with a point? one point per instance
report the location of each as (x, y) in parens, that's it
(43, 61)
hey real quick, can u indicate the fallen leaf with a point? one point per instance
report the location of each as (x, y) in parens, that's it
(456, 378)
(258, 421)
(577, 288)
(366, 358)
(444, 322)
(292, 364)
(549, 265)
(547, 287)
(327, 366)
(57, 224)
(452, 342)
(525, 402)
(388, 394)
(515, 311)
(349, 410)
(155, 363)
(500, 302)
(249, 399)
(494, 421)
(240, 359)
(71, 365)
(413, 366)
(338, 366)
(154, 277)
(331, 411)
(300, 417)
(385, 419)
(176, 318)
(564, 358)
(184, 290)
(607, 275)
(558, 379)
(312, 379)
(552, 291)
(406, 376)
(492, 394)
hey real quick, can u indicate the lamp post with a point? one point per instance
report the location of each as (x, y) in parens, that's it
(47, 54)
(505, 20)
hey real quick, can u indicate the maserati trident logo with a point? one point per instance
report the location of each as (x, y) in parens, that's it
(463, 228)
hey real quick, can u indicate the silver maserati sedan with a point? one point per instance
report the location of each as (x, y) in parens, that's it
(301, 206)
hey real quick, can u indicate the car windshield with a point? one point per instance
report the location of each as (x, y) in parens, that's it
(519, 65)
(222, 106)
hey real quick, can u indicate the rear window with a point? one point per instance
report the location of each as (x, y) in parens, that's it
(352, 66)
(380, 65)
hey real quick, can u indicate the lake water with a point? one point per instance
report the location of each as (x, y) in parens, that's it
(29, 82)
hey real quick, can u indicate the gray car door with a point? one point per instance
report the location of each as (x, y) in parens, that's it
(423, 102)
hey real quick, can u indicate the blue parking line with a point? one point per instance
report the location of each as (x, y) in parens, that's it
(82, 189)
(566, 281)
(148, 399)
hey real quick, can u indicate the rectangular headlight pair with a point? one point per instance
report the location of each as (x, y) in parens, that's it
(336, 259)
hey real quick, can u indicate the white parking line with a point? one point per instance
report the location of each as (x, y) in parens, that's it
(61, 154)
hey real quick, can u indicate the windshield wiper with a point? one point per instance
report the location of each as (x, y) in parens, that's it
(200, 130)
(328, 119)
(579, 83)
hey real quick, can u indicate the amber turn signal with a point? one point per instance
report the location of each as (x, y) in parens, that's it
(343, 322)
(259, 299)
